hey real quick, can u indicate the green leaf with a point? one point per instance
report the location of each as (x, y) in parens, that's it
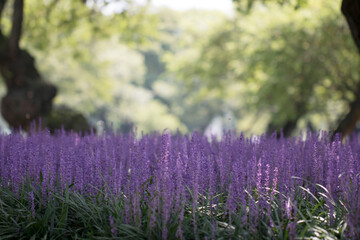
(41, 177)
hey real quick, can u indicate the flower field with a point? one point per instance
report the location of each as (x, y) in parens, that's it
(173, 186)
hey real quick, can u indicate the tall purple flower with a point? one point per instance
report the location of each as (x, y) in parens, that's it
(112, 226)
(258, 176)
(165, 154)
(267, 178)
(165, 181)
(32, 203)
(275, 179)
(351, 162)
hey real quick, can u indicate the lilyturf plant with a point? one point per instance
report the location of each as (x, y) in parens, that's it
(173, 186)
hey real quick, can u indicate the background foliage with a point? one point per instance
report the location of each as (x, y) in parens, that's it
(158, 68)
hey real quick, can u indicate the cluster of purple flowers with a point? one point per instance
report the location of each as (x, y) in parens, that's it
(168, 171)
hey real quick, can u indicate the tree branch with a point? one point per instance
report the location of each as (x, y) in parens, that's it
(16, 27)
(350, 9)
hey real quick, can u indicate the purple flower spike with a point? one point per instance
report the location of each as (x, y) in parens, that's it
(32, 203)
(258, 175)
(112, 226)
(267, 178)
(275, 179)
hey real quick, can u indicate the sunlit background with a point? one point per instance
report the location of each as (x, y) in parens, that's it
(195, 64)
(225, 6)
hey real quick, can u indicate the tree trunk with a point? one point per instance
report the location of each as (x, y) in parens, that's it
(348, 124)
(288, 127)
(351, 11)
(28, 96)
(286, 130)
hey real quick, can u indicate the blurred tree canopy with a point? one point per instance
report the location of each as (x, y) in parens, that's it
(283, 64)
(72, 26)
(292, 64)
(350, 10)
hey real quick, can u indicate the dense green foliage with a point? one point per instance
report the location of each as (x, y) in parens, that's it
(281, 64)
(70, 215)
(157, 68)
